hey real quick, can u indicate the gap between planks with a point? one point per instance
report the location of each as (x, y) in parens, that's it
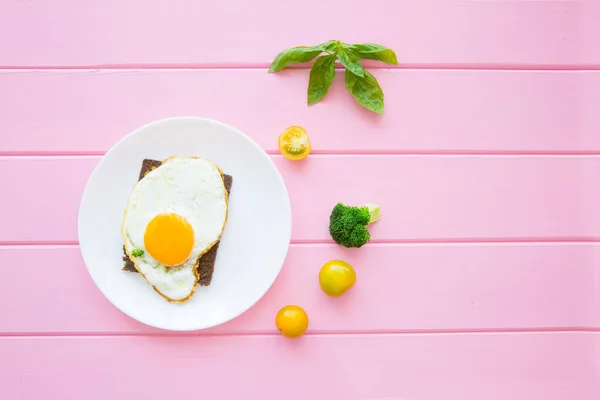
(343, 153)
(265, 66)
(372, 243)
(411, 332)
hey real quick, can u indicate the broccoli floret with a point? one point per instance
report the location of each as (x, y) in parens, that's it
(348, 224)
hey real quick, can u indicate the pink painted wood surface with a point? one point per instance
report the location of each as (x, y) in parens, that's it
(240, 32)
(426, 198)
(427, 110)
(400, 288)
(549, 366)
(483, 277)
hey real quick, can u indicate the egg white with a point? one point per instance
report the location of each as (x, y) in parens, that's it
(192, 188)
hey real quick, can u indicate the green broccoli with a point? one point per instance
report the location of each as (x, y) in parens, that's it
(348, 224)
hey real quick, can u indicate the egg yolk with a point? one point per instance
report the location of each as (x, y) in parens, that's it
(169, 239)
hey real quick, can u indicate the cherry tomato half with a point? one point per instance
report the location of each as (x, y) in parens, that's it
(294, 144)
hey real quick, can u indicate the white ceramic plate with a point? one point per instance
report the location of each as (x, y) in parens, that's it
(253, 245)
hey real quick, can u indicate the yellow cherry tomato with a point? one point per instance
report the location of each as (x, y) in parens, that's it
(292, 321)
(294, 143)
(336, 277)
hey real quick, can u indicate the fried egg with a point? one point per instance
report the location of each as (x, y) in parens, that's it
(174, 215)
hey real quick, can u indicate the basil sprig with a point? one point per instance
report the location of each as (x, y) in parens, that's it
(359, 82)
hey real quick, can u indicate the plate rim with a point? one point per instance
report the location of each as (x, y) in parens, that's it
(287, 206)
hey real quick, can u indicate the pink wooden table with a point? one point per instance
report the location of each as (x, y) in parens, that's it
(482, 281)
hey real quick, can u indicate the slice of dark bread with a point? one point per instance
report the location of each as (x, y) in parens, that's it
(206, 264)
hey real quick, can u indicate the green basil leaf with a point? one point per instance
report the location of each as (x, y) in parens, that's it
(330, 46)
(366, 91)
(294, 55)
(374, 51)
(301, 54)
(322, 74)
(350, 59)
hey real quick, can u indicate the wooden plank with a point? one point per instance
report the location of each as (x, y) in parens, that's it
(424, 198)
(399, 288)
(555, 366)
(427, 110)
(239, 32)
